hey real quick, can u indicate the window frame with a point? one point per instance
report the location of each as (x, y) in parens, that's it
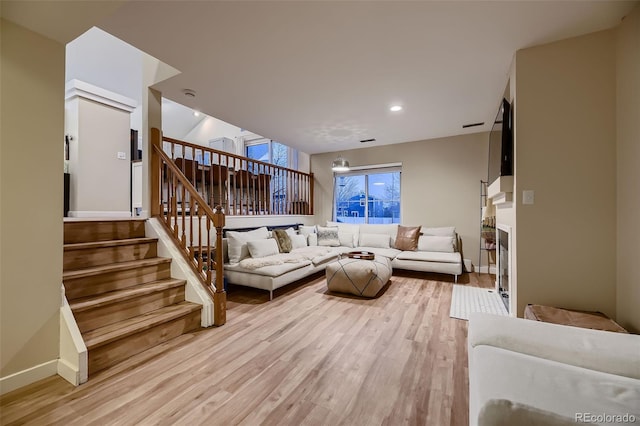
(292, 153)
(366, 171)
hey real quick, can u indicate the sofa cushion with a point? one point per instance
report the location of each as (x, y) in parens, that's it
(386, 252)
(298, 241)
(430, 256)
(312, 239)
(347, 239)
(325, 258)
(271, 270)
(407, 238)
(237, 242)
(436, 243)
(347, 228)
(263, 248)
(442, 231)
(306, 230)
(389, 229)
(328, 236)
(283, 239)
(581, 347)
(374, 240)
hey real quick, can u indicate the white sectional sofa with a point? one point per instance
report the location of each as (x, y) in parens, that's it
(269, 270)
(527, 372)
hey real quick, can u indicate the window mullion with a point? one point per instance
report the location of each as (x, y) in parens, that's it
(366, 198)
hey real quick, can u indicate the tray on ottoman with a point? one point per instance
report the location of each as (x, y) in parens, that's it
(593, 320)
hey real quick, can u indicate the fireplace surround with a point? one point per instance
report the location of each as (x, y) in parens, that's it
(503, 263)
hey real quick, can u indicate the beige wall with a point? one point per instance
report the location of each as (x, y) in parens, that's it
(628, 127)
(100, 182)
(31, 158)
(566, 153)
(440, 182)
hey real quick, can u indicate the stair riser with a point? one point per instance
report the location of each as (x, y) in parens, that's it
(77, 259)
(100, 316)
(117, 280)
(119, 350)
(84, 232)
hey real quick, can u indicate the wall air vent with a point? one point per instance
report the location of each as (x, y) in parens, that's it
(464, 126)
(367, 140)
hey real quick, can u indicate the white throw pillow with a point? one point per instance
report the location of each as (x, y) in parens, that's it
(328, 236)
(375, 240)
(312, 239)
(290, 231)
(306, 230)
(298, 241)
(263, 248)
(436, 243)
(346, 239)
(237, 242)
(443, 231)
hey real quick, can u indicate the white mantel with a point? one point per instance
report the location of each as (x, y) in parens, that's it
(501, 190)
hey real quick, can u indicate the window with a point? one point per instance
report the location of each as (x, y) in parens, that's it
(367, 196)
(272, 152)
(278, 154)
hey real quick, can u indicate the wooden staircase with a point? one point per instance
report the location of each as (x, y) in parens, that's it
(121, 293)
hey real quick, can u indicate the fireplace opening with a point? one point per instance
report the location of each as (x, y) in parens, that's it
(503, 266)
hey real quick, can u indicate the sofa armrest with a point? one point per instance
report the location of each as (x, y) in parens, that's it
(608, 352)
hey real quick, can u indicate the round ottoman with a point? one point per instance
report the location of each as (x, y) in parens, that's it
(360, 277)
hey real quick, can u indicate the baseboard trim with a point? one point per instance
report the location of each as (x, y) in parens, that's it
(28, 376)
(98, 214)
(68, 372)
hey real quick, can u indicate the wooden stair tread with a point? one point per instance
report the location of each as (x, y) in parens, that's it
(117, 296)
(112, 332)
(120, 266)
(109, 243)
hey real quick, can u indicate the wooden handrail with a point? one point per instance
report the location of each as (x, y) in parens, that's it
(241, 185)
(228, 154)
(168, 184)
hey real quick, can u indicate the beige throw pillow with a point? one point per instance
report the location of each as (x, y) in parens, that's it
(283, 239)
(407, 238)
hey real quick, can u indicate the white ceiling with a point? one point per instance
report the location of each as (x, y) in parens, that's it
(321, 75)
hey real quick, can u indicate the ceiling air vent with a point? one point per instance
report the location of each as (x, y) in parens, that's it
(464, 126)
(368, 140)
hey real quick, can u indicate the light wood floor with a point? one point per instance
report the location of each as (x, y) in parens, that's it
(308, 357)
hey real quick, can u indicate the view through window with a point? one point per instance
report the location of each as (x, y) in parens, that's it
(277, 154)
(368, 196)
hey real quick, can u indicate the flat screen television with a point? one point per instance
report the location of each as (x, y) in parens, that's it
(501, 144)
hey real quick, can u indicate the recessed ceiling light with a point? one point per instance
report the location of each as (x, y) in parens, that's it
(196, 113)
(395, 108)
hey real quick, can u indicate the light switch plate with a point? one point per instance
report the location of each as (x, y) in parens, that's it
(527, 197)
(122, 155)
